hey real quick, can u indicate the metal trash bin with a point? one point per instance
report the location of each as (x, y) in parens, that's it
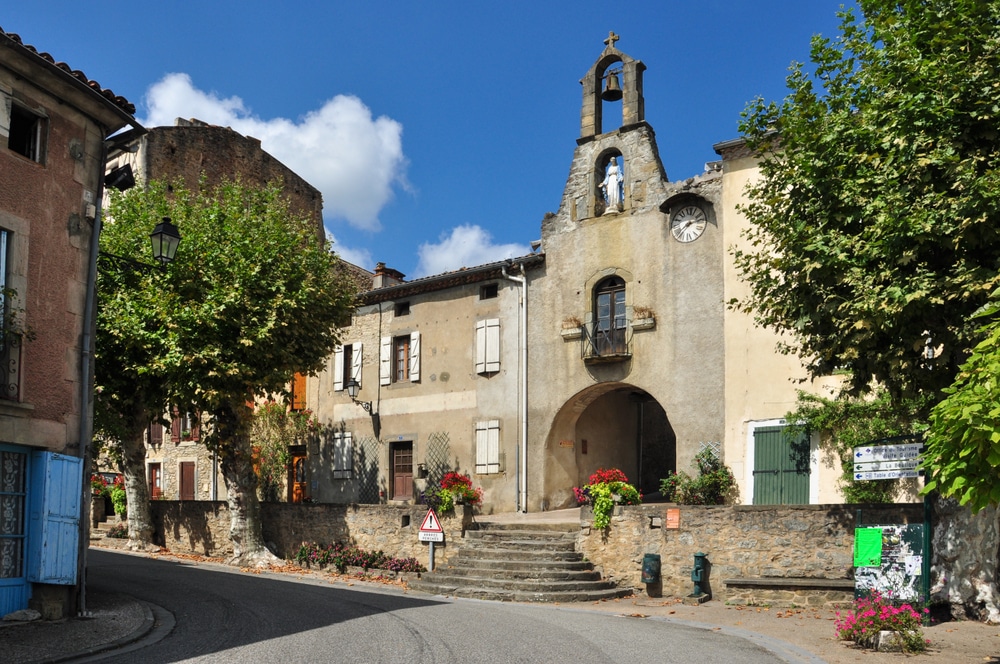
(651, 568)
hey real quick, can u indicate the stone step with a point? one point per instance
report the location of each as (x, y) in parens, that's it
(526, 565)
(488, 526)
(540, 573)
(510, 595)
(519, 545)
(523, 535)
(498, 553)
(521, 585)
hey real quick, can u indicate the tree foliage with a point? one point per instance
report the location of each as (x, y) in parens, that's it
(273, 428)
(963, 445)
(253, 296)
(873, 230)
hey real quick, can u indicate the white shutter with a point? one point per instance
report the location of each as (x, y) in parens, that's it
(488, 446)
(338, 368)
(493, 345)
(356, 356)
(385, 362)
(343, 455)
(480, 349)
(414, 357)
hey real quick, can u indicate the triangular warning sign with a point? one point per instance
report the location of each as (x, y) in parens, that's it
(431, 523)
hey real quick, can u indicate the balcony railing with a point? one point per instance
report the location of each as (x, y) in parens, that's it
(10, 366)
(604, 343)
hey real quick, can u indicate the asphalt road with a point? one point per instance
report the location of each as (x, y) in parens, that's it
(224, 615)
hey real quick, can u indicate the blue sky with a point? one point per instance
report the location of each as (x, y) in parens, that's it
(439, 132)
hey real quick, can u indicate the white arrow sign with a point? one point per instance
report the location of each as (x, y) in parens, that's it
(903, 464)
(886, 475)
(886, 452)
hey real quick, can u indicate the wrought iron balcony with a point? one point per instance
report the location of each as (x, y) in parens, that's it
(10, 366)
(607, 343)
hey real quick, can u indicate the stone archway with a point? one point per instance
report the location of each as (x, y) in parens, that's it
(610, 425)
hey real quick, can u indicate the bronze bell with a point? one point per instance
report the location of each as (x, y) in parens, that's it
(612, 89)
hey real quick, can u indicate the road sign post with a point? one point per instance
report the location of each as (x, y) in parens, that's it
(431, 531)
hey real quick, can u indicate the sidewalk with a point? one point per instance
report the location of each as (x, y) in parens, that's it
(798, 635)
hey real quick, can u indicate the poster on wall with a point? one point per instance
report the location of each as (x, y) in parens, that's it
(889, 560)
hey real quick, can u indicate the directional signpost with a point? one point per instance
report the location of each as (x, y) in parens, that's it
(893, 462)
(431, 531)
(886, 462)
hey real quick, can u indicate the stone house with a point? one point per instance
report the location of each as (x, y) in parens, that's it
(632, 358)
(54, 123)
(438, 365)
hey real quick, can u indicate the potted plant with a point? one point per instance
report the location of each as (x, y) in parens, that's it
(572, 327)
(643, 318)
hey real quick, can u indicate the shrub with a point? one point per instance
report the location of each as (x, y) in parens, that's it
(342, 556)
(714, 485)
(118, 497)
(455, 488)
(118, 531)
(606, 487)
(874, 614)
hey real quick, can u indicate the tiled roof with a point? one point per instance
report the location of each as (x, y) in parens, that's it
(117, 100)
(460, 277)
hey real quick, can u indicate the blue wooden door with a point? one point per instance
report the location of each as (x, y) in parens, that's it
(14, 587)
(55, 518)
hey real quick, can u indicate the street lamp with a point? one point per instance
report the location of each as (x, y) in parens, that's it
(165, 239)
(352, 391)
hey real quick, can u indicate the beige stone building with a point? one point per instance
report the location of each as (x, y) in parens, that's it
(631, 357)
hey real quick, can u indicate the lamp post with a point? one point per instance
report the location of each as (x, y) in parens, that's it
(352, 391)
(164, 239)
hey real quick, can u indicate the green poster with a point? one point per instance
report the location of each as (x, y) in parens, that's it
(867, 547)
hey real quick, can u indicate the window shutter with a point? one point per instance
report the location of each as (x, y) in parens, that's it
(385, 361)
(480, 349)
(488, 446)
(155, 434)
(338, 368)
(195, 426)
(343, 455)
(54, 528)
(414, 357)
(299, 391)
(175, 424)
(492, 345)
(356, 355)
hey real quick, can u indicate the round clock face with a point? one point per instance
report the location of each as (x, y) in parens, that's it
(688, 223)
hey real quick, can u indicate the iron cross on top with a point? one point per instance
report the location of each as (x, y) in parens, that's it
(612, 38)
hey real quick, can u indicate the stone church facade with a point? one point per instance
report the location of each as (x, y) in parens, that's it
(614, 346)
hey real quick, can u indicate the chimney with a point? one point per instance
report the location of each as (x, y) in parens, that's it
(386, 276)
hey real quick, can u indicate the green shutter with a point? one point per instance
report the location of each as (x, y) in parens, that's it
(781, 467)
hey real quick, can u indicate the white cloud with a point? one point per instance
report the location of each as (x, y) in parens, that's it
(360, 257)
(351, 157)
(466, 246)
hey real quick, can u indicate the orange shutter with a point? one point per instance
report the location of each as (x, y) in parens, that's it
(299, 392)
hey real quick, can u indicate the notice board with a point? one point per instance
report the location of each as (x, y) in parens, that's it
(889, 560)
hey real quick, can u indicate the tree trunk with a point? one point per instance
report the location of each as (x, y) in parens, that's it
(140, 522)
(965, 565)
(236, 462)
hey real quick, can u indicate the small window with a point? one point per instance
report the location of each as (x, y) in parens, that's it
(488, 292)
(399, 359)
(27, 131)
(184, 426)
(402, 309)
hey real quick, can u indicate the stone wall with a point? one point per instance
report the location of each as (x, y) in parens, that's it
(746, 542)
(202, 527)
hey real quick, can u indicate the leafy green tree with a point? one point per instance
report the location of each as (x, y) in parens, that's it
(848, 422)
(253, 296)
(873, 229)
(274, 427)
(963, 444)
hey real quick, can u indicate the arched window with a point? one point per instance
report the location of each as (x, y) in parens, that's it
(609, 317)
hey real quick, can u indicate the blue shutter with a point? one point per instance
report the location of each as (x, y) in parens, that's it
(54, 528)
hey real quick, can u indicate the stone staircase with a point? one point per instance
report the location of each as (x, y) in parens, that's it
(524, 562)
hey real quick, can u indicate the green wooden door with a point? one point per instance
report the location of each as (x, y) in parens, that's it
(780, 467)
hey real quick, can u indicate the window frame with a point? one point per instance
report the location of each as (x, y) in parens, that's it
(29, 128)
